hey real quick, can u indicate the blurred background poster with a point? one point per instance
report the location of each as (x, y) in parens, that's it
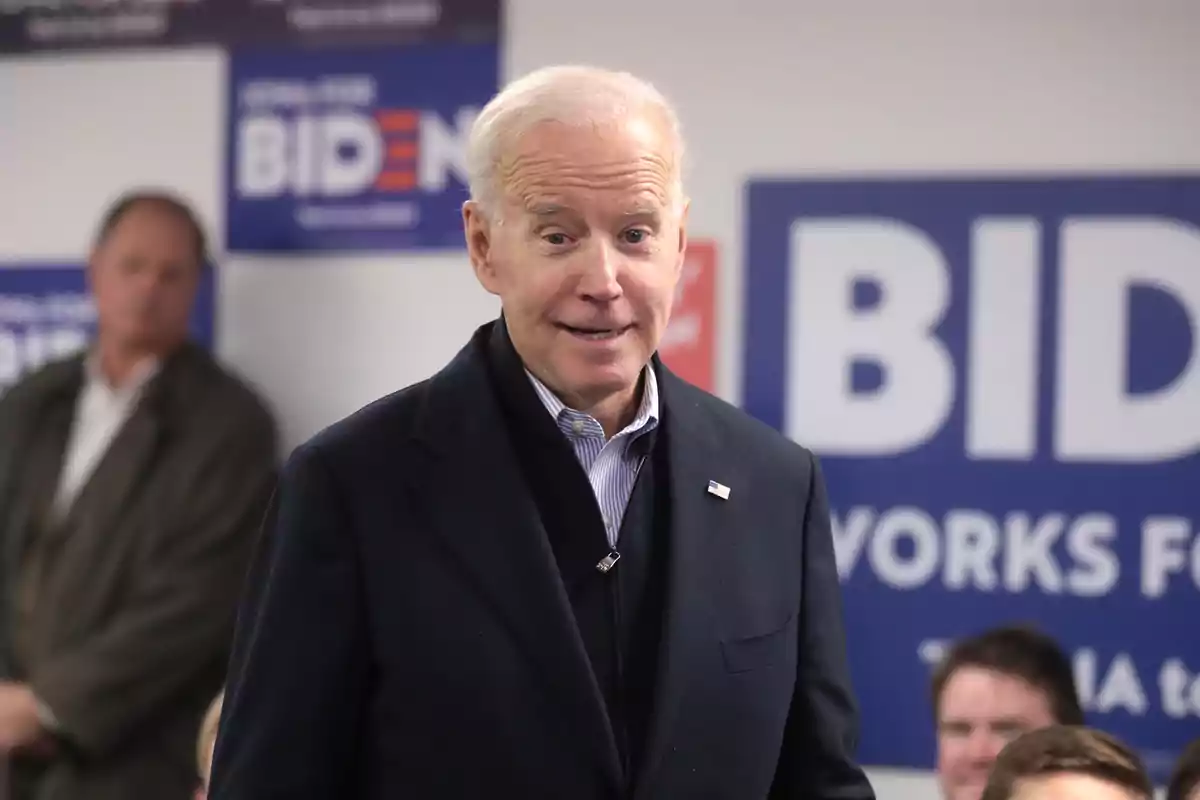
(689, 345)
(352, 149)
(1001, 379)
(27, 26)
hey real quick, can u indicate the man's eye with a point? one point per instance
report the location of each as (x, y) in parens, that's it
(635, 236)
(556, 239)
(1009, 731)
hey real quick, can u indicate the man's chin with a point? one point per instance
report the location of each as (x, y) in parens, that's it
(144, 338)
(591, 384)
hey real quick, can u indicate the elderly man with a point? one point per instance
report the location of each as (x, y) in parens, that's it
(133, 480)
(553, 570)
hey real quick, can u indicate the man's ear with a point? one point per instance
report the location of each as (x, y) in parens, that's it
(478, 228)
(683, 236)
(89, 269)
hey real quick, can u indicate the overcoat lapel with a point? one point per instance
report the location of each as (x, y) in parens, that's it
(703, 529)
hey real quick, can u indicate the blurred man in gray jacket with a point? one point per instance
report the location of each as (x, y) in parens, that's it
(133, 478)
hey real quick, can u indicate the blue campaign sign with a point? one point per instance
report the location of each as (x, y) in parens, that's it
(1002, 379)
(353, 149)
(46, 312)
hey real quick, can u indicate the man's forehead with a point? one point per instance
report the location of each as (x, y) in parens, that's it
(550, 161)
(979, 679)
(990, 691)
(1069, 786)
(635, 132)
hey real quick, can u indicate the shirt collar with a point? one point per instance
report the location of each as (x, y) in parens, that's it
(577, 423)
(142, 373)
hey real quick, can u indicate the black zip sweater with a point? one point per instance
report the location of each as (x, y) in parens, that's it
(619, 613)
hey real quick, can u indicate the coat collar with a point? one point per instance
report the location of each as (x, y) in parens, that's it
(44, 404)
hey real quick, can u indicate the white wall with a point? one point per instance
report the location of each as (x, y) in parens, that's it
(795, 86)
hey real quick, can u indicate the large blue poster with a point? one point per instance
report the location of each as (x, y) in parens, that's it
(46, 312)
(1002, 378)
(353, 149)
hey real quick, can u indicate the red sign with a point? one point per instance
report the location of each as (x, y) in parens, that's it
(688, 346)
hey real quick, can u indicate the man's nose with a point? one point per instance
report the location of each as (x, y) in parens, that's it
(984, 746)
(601, 273)
(147, 280)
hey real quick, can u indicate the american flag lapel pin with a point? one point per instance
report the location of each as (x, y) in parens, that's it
(718, 489)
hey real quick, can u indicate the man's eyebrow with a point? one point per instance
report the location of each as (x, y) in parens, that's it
(1008, 722)
(643, 211)
(953, 723)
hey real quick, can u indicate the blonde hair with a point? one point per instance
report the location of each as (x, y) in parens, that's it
(208, 736)
(571, 95)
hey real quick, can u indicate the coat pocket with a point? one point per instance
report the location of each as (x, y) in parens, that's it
(749, 653)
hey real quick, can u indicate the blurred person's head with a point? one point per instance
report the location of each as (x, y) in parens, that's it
(144, 271)
(205, 742)
(988, 690)
(1185, 779)
(577, 222)
(1068, 762)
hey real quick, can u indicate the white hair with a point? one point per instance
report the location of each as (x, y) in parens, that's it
(572, 95)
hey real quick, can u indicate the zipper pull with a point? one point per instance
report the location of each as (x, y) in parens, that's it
(609, 561)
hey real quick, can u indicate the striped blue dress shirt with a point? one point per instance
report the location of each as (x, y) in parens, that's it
(610, 465)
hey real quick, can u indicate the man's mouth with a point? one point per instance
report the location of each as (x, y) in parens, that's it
(595, 333)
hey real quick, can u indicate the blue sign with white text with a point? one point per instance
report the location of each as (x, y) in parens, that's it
(1002, 381)
(353, 150)
(46, 312)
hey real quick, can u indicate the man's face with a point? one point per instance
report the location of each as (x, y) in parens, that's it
(979, 712)
(1070, 786)
(143, 278)
(585, 254)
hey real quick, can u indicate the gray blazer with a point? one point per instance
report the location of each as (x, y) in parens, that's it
(128, 639)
